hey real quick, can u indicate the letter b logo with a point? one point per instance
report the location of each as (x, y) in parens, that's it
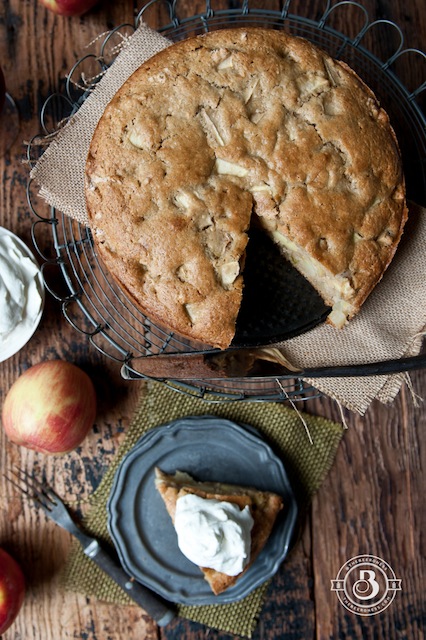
(367, 586)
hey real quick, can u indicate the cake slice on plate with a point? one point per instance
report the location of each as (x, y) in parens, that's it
(221, 525)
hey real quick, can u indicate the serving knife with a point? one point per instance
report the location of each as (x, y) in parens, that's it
(260, 363)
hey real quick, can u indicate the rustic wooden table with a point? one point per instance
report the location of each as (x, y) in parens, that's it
(372, 500)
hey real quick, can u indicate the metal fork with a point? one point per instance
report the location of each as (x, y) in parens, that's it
(44, 496)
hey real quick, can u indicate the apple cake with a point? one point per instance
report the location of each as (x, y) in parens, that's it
(226, 129)
(264, 507)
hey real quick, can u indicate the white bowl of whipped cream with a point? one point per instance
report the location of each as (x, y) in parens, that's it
(21, 294)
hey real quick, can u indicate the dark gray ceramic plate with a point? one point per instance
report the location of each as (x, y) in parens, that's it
(208, 448)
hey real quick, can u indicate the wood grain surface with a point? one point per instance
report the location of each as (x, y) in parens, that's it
(372, 501)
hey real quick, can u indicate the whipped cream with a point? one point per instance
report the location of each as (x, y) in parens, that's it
(20, 295)
(214, 533)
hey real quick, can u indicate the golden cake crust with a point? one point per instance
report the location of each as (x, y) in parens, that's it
(235, 123)
(264, 507)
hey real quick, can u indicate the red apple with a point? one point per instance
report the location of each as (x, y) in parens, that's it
(69, 7)
(50, 407)
(12, 590)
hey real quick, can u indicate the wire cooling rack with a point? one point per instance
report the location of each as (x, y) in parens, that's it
(90, 300)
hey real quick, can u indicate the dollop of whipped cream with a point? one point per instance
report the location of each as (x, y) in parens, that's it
(20, 296)
(214, 533)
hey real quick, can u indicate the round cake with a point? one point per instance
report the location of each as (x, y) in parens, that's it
(230, 129)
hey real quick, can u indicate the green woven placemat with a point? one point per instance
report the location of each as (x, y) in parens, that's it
(306, 464)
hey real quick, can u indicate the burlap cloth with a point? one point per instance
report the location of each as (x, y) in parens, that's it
(306, 464)
(392, 321)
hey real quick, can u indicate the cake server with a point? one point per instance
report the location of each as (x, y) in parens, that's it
(259, 363)
(160, 610)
